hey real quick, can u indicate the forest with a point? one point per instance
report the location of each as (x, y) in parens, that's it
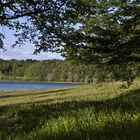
(47, 70)
(65, 71)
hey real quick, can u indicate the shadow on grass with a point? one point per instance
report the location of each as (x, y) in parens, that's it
(30, 117)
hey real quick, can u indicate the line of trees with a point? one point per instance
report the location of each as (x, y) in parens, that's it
(48, 70)
(65, 71)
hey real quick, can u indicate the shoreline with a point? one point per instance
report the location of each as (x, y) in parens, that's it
(43, 81)
(55, 83)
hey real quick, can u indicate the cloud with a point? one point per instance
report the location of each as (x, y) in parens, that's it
(24, 52)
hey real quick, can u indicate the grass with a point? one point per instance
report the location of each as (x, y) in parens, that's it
(87, 112)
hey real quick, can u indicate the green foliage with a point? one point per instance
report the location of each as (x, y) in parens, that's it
(65, 71)
(108, 36)
(100, 32)
(49, 70)
(126, 73)
(109, 33)
(37, 71)
(1, 76)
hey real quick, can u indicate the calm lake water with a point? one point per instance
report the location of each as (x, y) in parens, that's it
(6, 85)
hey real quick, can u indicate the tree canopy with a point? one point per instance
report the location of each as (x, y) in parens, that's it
(109, 33)
(104, 32)
(42, 22)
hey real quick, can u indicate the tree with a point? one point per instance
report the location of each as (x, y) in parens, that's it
(36, 71)
(109, 30)
(42, 22)
(109, 33)
(109, 36)
(105, 32)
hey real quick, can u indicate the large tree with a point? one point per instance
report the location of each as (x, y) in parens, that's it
(109, 36)
(104, 32)
(42, 22)
(110, 30)
(109, 33)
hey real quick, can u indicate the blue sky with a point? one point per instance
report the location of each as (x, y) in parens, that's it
(24, 52)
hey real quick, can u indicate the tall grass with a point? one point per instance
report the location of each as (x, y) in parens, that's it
(92, 112)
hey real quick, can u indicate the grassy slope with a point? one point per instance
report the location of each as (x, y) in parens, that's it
(88, 112)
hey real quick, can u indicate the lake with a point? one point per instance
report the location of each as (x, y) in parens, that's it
(12, 85)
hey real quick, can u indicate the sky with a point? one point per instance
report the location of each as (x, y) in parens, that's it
(23, 52)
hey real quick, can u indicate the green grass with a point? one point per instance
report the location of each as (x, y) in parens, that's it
(87, 112)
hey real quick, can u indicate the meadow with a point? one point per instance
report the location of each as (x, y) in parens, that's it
(87, 112)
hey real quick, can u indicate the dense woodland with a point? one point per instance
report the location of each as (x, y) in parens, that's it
(64, 71)
(48, 70)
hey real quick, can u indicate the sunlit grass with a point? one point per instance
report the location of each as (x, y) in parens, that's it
(100, 91)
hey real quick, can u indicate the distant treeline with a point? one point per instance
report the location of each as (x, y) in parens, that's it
(48, 70)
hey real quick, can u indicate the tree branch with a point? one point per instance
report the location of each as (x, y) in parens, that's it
(21, 15)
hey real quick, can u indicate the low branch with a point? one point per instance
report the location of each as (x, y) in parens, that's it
(21, 15)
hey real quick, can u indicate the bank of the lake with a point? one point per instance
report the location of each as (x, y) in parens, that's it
(23, 85)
